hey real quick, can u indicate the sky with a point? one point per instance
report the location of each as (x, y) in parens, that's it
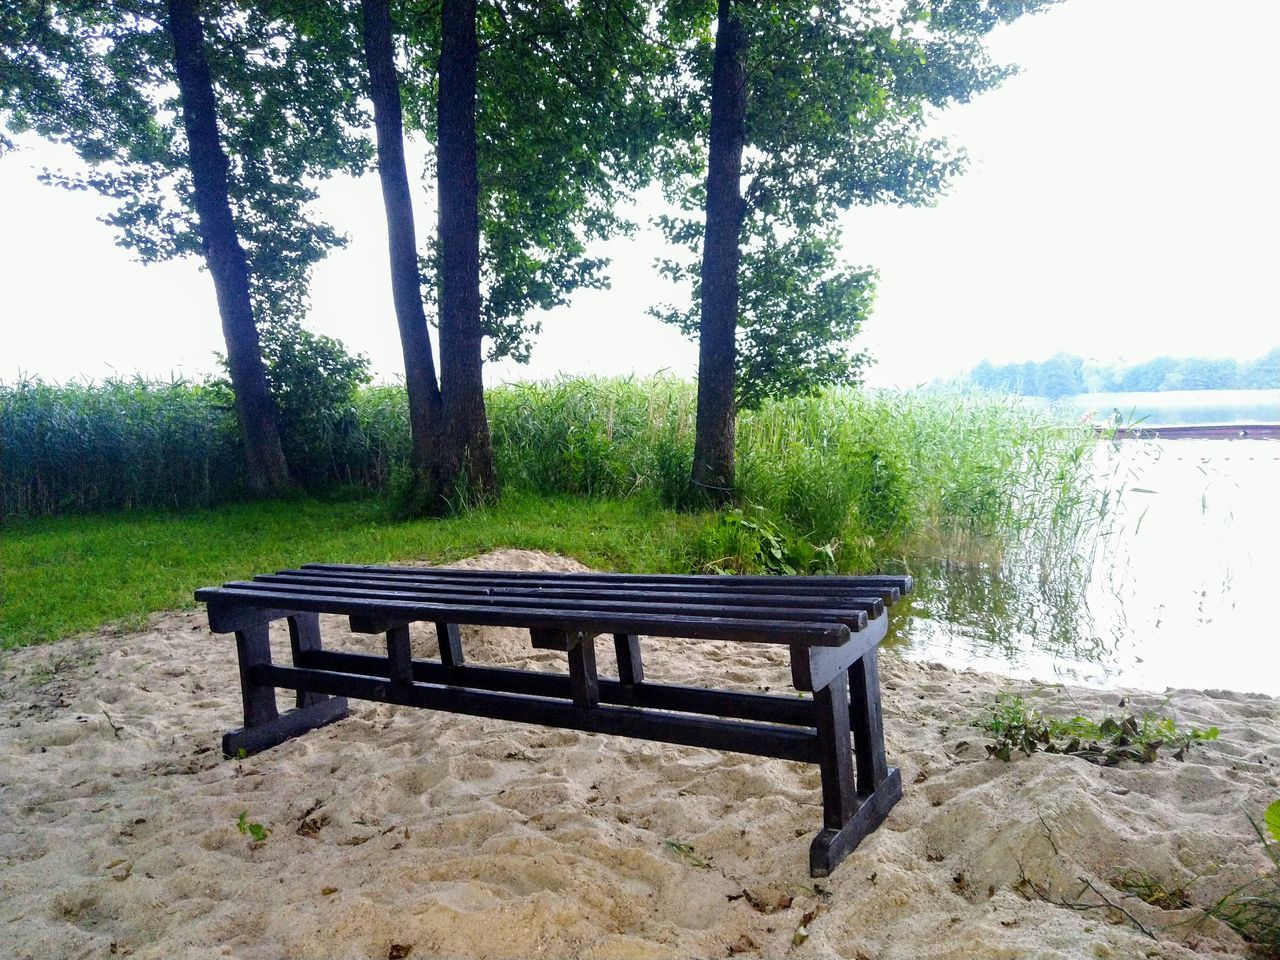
(1121, 202)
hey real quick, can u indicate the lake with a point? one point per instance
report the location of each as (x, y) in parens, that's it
(1182, 591)
(1175, 407)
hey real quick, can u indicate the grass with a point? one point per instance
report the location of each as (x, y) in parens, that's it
(62, 576)
(1253, 909)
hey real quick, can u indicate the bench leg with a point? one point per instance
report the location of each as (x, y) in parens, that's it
(584, 684)
(264, 726)
(304, 638)
(630, 669)
(450, 642)
(857, 794)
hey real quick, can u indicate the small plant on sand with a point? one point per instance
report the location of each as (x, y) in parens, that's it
(1016, 725)
(1151, 889)
(256, 831)
(686, 852)
(1253, 908)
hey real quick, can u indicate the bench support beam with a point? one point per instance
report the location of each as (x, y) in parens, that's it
(286, 726)
(304, 638)
(450, 641)
(264, 726)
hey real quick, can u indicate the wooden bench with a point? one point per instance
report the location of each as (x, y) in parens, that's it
(832, 625)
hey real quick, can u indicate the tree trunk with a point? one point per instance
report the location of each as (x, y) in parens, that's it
(255, 410)
(713, 455)
(406, 281)
(467, 456)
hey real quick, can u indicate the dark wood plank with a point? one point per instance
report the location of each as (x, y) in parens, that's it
(304, 638)
(812, 668)
(399, 655)
(630, 667)
(230, 617)
(737, 704)
(742, 596)
(733, 736)
(835, 758)
(854, 619)
(897, 584)
(288, 725)
(655, 625)
(253, 649)
(374, 624)
(867, 722)
(832, 845)
(542, 638)
(449, 639)
(582, 674)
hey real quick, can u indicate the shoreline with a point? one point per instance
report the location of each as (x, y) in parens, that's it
(1210, 431)
(461, 837)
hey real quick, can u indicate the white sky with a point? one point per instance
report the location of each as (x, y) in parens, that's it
(1123, 201)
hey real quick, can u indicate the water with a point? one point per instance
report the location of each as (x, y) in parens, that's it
(1175, 407)
(1183, 592)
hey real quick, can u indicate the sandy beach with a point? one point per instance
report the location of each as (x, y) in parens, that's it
(400, 832)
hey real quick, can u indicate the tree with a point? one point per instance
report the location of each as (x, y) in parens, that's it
(425, 405)
(713, 454)
(832, 104)
(1150, 375)
(265, 464)
(1262, 373)
(542, 121)
(174, 106)
(466, 452)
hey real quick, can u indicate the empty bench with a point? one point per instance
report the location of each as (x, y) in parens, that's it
(831, 625)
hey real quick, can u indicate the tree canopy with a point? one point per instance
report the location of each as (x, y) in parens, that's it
(99, 77)
(565, 126)
(839, 95)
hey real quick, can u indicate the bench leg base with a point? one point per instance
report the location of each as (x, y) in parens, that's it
(831, 846)
(288, 725)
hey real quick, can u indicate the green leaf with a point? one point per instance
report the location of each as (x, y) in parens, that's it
(1272, 819)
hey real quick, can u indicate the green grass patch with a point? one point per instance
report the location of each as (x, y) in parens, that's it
(62, 576)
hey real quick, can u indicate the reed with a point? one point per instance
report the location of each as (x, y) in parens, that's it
(844, 479)
(118, 444)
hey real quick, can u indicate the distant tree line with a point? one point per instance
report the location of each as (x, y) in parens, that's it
(1064, 375)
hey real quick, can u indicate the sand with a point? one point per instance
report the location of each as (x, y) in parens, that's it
(401, 830)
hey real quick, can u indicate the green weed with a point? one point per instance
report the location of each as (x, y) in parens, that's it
(1016, 725)
(686, 852)
(255, 831)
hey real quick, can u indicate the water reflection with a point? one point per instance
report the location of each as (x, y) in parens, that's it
(1178, 593)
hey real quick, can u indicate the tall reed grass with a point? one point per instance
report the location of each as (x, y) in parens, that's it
(118, 444)
(845, 478)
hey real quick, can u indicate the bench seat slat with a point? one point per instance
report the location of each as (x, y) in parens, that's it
(723, 585)
(755, 597)
(855, 619)
(894, 585)
(816, 633)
